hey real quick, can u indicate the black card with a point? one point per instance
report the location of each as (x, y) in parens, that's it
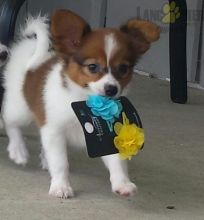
(99, 139)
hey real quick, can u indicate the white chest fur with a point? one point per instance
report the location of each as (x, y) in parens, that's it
(58, 110)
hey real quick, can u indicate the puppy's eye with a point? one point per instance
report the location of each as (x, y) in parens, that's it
(123, 69)
(94, 68)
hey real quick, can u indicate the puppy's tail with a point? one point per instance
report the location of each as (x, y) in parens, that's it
(37, 28)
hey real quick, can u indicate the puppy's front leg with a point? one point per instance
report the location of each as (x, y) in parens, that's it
(54, 144)
(119, 175)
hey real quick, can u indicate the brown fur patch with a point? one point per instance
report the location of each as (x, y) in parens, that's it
(142, 34)
(67, 30)
(79, 75)
(93, 45)
(150, 30)
(33, 90)
(125, 81)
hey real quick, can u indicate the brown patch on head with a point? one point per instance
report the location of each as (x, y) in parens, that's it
(90, 53)
(124, 81)
(150, 30)
(142, 33)
(80, 74)
(33, 90)
(67, 30)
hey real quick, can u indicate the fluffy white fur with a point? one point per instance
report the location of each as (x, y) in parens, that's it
(39, 27)
(61, 124)
(110, 46)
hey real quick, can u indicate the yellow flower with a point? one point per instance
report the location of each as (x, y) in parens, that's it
(129, 139)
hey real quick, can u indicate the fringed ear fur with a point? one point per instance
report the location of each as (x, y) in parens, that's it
(67, 31)
(142, 33)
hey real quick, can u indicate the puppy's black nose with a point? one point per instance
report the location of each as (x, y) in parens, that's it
(111, 90)
(3, 55)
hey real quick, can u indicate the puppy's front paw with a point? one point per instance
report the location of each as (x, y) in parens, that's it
(125, 189)
(61, 191)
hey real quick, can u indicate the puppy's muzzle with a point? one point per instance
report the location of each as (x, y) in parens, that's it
(110, 90)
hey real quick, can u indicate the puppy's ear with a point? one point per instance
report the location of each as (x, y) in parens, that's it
(142, 33)
(67, 31)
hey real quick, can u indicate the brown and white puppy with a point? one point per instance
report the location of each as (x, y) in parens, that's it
(41, 85)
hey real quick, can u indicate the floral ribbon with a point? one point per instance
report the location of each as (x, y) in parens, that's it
(108, 109)
(129, 139)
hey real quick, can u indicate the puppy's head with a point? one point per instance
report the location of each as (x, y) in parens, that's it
(101, 60)
(3, 54)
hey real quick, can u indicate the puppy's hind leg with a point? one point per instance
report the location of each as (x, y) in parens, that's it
(14, 119)
(16, 147)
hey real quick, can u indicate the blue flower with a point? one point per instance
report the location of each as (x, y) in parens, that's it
(108, 109)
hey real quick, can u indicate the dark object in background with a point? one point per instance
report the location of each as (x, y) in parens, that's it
(8, 13)
(177, 46)
(171, 207)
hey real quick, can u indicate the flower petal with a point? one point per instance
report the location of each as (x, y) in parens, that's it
(107, 105)
(117, 127)
(130, 138)
(107, 108)
(95, 112)
(114, 109)
(95, 101)
(120, 107)
(107, 117)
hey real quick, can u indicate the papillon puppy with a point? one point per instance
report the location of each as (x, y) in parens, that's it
(41, 82)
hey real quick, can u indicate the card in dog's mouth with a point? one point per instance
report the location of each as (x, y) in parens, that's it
(110, 126)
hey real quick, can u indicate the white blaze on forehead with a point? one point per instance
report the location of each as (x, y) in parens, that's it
(110, 46)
